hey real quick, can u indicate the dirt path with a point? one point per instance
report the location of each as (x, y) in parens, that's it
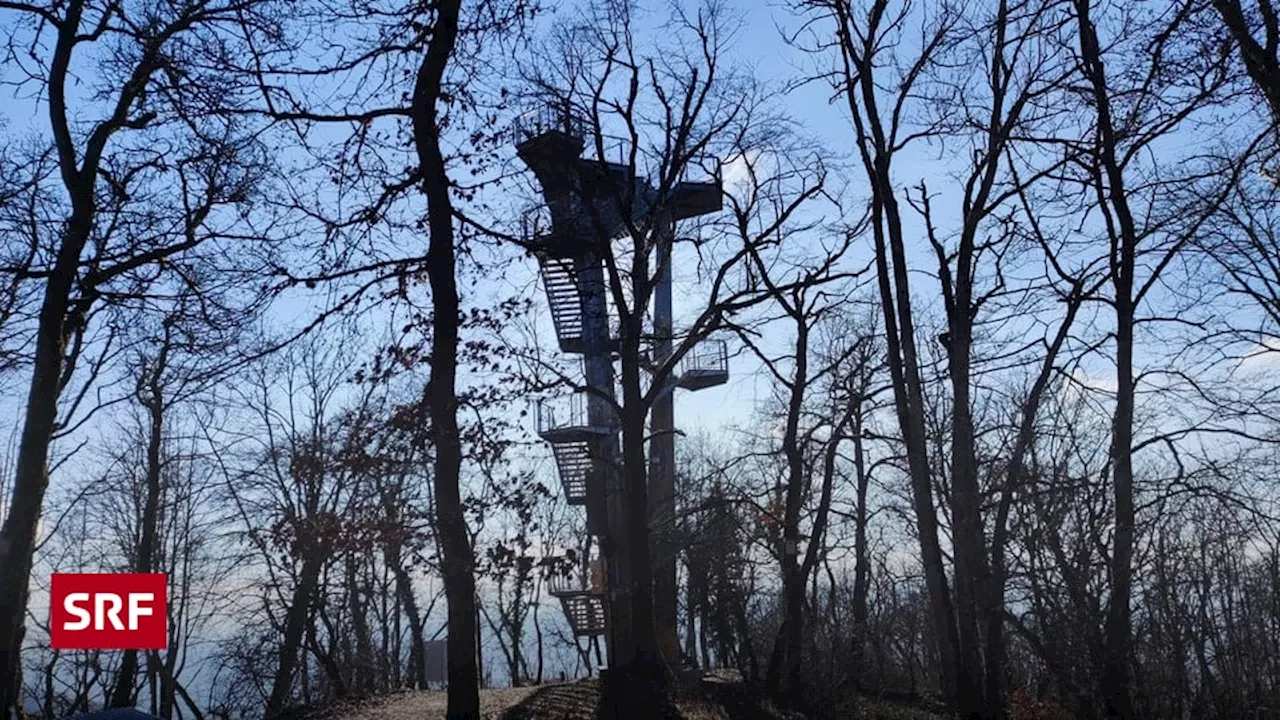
(563, 701)
(424, 705)
(577, 700)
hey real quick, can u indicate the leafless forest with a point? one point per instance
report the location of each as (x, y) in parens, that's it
(996, 285)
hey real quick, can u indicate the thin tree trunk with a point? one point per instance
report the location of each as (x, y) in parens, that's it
(537, 634)
(417, 648)
(1116, 671)
(169, 683)
(706, 647)
(362, 677)
(894, 287)
(295, 626)
(122, 695)
(1116, 678)
(442, 399)
(479, 648)
(690, 622)
(911, 422)
(191, 704)
(49, 670)
(333, 671)
(969, 545)
(995, 648)
(391, 552)
(786, 649)
(861, 569)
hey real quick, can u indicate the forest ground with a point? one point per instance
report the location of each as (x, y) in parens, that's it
(577, 701)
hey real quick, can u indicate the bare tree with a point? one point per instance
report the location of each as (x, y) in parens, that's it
(1121, 130)
(123, 210)
(1255, 30)
(298, 495)
(811, 298)
(442, 398)
(998, 67)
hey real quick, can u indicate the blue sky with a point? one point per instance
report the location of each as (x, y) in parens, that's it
(758, 45)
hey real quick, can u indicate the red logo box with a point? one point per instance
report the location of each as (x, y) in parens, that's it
(109, 611)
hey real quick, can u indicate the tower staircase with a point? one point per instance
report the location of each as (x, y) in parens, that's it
(584, 604)
(574, 465)
(586, 612)
(560, 280)
(705, 365)
(589, 202)
(575, 440)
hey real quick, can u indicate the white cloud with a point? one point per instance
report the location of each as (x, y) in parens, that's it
(1261, 356)
(736, 172)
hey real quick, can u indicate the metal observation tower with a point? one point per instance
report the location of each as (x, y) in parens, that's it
(589, 203)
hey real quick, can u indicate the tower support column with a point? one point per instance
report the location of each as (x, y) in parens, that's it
(605, 490)
(662, 465)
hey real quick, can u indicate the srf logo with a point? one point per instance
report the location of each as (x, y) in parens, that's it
(108, 611)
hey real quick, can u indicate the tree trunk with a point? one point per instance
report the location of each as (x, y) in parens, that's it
(169, 683)
(362, 678)
(908, 401)
(895, 299)
(1116, 680)
(333, 671)
(442, 399)
(690, 623)
(57, 323)
(641, 670)
(1116, 675)
(417, 648)
(294, 630)
(17, 542)
(969, 544)
(480, 673)
(635, 684)
(785, 660)
(995, 648)
(861, 569)
(537, 635)
(122, 695)
(392, 552)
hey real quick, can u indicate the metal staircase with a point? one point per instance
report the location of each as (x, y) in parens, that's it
(574, 464)
(705, 365)
(561, 282)
(584, 605)
(586, 612)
